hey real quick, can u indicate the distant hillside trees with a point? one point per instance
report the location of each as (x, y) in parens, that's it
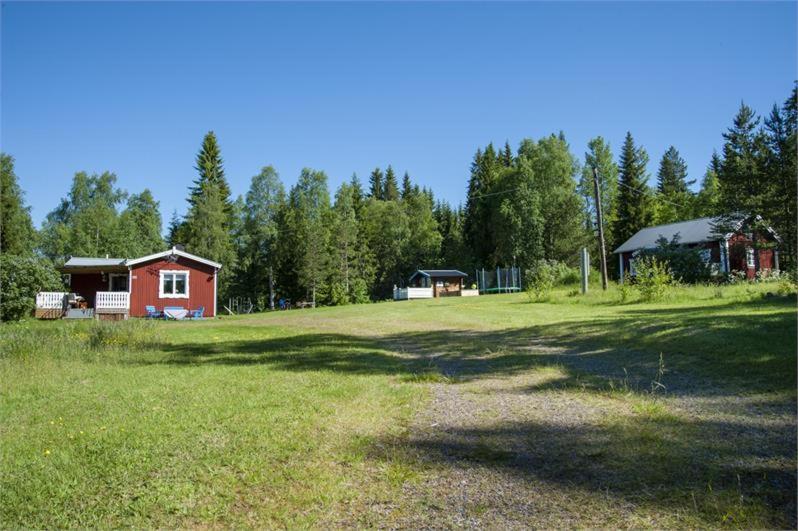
(535, 203)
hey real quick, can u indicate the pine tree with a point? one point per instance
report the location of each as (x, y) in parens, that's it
(390, 187)
(675, 201)
(708, 198)
(741, 174)
(481, 207)
(376, 189)
(507, 155)
(349, 282)
(209, 223)
(357, 194)
(210, 167)
(207, 233)
(635, 205)
(17, 235)
(174, 234)
(407, 186)
(781, 165)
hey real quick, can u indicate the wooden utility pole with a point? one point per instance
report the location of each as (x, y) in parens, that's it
(600, 220)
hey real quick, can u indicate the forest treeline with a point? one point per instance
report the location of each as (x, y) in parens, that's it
(354, 245)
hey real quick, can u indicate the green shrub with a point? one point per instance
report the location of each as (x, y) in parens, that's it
(21, 277)
(626, 289)
(652, 277)
(685, 263)
(540, 279)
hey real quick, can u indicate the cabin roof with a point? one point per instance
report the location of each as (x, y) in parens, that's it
(84, 261)
(436, 273)
(91, 264)
(690, 231)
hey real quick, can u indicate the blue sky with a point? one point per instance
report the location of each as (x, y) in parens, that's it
(132, 87)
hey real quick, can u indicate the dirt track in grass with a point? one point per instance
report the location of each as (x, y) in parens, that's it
(560, 446)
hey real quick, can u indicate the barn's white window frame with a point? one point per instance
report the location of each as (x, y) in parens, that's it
(749, 257)
(173, 273)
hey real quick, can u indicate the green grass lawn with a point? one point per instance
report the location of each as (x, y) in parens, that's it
(303, 418)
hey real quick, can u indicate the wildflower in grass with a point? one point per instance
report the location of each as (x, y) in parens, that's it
(47, 452)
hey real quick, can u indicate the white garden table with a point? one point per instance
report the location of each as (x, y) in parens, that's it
(175, 313)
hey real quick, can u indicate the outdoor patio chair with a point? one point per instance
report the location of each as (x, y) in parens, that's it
(152, 313)
(197, 314)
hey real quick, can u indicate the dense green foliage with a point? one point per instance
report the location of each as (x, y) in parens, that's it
(17, 235)
(21, 278)
(536, 203)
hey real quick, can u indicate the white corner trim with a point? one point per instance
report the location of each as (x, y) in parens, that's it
(164, 272)
(215, 273)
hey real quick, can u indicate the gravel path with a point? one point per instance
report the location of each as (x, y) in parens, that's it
(531, 450)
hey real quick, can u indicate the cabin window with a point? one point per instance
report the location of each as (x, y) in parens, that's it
(117, 282)
(706, 255)
(749, 257)
(174, 284)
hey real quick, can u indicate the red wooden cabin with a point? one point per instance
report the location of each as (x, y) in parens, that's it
(125, 287)
(742, 248)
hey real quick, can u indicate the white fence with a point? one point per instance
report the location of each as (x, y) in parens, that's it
(402, 294)
(112, 300)
(51, 300)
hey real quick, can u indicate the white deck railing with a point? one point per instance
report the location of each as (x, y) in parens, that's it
(401, 294)
(112, 300)
(50, 299)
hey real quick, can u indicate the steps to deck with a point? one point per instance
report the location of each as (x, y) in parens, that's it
(76, 313)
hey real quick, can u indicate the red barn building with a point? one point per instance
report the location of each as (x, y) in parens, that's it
(738, 248)
(125, 287)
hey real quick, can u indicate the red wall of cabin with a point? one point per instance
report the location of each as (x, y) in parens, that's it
(145, 286)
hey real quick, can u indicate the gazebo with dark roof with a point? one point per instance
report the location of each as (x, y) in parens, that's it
(443, 282)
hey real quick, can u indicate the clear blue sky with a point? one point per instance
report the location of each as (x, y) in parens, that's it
(131, 88)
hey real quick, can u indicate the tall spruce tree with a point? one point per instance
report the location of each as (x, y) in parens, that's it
(708, 198)
(781, 166)
(376, 189)
(481, 208)
(635, 204)
(675, 201)
(174, 235)
(17, 235)
(390, 187)
(209, 222)
(407, 186)
(349, 275)
(742, 174)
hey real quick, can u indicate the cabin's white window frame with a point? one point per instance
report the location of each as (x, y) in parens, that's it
(172, 272)
(749, 257)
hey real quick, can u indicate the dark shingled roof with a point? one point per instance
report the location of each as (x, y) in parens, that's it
(432, 273)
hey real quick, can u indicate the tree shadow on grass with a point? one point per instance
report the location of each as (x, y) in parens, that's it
(720, 470)
(703, 353)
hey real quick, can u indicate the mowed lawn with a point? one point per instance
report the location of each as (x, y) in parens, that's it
(678, 413)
